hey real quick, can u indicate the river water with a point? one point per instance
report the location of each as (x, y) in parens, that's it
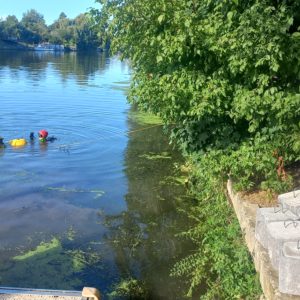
(98, 206)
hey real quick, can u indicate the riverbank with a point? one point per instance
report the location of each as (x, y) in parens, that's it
(10, 45)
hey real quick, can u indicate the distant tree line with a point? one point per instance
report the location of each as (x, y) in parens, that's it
(32, 29)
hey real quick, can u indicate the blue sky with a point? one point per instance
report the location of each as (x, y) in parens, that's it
(49, 8)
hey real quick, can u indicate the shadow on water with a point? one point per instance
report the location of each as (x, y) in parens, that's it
(143, 236)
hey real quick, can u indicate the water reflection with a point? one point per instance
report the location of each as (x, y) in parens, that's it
(143, 236)
(80, 66)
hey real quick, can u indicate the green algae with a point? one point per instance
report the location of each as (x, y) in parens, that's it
(40, 249)
(70, 235)
(175, 180)
(143, 118)
(155, 156)
(130, 288)
(97, 193)
(50, 265)
(120, 88)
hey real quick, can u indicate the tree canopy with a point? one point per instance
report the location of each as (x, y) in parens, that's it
(32, 29)
(224, 73)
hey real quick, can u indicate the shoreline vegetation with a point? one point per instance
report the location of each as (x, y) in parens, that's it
(31, 31)
(18, 46)
(224, 78)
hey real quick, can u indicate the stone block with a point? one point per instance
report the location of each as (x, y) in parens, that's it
(289, 268)
(267, 215)
(277, 234)
(290, 201)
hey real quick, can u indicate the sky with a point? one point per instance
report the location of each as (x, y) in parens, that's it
(49, 8)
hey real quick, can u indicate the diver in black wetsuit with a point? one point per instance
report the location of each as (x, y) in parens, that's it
(2, 145)
(43, 137)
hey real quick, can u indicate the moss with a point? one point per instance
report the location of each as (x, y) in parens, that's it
(143, 118)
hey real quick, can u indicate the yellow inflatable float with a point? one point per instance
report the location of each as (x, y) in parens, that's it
(18, 142)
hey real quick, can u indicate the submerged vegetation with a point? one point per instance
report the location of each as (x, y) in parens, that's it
(68, 266)
(130, 289)
(225, 75)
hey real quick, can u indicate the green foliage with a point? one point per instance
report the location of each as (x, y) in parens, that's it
(222, 265)
(223, 71)
(34, 28)
(224, 75)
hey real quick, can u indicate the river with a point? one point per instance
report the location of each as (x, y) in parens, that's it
(99, 205)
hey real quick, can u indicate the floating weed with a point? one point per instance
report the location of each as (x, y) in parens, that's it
(120, 88)
(40, 249)
(143, 118)
(154, 156)
(50, 265)
(70, 235)
(63, 189)
(131, 289)
(173, 180)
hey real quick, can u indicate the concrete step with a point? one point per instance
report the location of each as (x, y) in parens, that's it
(290, 201)
(267, 215)
(289, 268)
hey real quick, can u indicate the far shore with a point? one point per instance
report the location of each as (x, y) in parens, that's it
(12, 45)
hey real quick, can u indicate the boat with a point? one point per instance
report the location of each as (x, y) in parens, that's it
(49, 47)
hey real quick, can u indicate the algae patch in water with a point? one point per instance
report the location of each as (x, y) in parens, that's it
(143, 118)
(50, 265)
(155, 156)
(130, 289)
(175, 180)
(63, 189)
(40, 249)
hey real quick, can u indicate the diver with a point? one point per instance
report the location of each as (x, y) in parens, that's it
(43, 136)
(2, 145)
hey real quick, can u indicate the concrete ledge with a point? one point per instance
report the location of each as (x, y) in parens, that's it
(7, 293)
(246, 214)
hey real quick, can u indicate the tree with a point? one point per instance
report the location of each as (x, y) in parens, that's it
(225, 72)
(85, 36)
(61, 31)
(34, 28)
(10, 28)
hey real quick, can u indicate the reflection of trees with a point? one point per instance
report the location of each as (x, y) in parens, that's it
(26, 59)
(78, 65)
(143, 237)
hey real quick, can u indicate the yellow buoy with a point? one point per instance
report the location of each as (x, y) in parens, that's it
(18, 142)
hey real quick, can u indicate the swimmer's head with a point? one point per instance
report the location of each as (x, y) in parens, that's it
(43, 134)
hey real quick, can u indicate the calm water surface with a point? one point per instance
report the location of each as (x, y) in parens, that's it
(98, 205)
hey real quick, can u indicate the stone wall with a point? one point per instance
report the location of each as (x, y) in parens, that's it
(246, 214)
